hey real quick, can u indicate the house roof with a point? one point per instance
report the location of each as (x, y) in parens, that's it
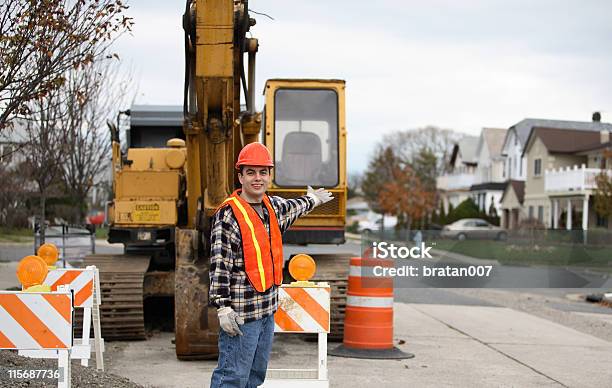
(493, 186)
(519, 190)
(523, 127)
(494, 137)
(564, 141)
(467, 146)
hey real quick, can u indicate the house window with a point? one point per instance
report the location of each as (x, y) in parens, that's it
(602, 221)
(541, 213)
(537, 167)
(530, 212)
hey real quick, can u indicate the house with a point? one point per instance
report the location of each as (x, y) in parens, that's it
(516, 138)
(562, 165)
(511, 203)
(489, 183)
(454, 186)
(515, 166)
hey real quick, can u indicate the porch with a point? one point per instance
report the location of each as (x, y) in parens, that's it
(572, 179)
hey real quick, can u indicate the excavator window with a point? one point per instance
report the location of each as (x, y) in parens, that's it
(306, 137)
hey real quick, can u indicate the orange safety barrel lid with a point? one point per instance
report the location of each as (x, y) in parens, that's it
(31, 270)
(49, 253)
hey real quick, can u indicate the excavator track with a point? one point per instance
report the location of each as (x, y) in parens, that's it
(121, 283)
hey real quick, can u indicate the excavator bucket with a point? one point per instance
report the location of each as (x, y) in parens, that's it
(196, 324)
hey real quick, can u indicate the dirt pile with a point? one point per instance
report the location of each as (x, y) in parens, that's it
(82, 377)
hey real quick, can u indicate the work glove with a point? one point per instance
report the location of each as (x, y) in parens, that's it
(230, 321)
(320, 196)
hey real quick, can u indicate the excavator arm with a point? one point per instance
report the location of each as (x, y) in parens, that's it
(215, 131)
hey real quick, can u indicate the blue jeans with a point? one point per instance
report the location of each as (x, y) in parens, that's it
(243, 359)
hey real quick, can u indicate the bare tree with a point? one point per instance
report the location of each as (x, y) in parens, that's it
(93, 96)
(14, 192)
(44, 149)
(408, 144)
(41, 40)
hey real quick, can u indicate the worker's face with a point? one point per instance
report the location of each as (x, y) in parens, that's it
(255, 180)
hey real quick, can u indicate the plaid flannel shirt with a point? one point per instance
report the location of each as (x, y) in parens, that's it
(229, 285)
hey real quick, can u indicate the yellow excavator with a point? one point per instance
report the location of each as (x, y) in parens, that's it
(178, 187)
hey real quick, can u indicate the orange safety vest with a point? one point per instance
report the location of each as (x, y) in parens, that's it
(263, 253)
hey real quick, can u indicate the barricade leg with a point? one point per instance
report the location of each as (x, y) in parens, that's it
(322, 356)
(63, 364)
(86, 328)
(98, 341)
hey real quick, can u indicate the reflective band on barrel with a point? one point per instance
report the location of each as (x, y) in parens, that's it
(365, 301)
(367, 272)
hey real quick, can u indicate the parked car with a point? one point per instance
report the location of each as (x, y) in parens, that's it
(374, 221)
(473, 228)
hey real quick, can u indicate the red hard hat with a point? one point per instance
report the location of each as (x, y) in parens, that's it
(254, 154)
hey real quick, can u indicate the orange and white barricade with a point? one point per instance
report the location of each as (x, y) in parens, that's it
(39, 321)
(304, 307)
(85, 284)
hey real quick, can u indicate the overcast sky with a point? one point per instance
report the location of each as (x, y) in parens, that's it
(456, 64)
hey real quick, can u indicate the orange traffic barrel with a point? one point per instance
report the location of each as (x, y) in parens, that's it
(368, 320)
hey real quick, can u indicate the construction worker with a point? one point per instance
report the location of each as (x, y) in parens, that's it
(246, 267)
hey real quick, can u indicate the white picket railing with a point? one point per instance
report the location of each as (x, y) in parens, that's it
(455, 181)
(572, 178)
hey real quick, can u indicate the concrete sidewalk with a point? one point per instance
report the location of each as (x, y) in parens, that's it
(462, 346)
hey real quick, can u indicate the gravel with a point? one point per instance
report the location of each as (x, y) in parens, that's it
(81, 376)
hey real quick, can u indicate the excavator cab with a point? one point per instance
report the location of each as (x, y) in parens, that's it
(304, 128)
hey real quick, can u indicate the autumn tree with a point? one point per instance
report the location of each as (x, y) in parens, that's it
(378, 173)
(405, 196)
(41, 40)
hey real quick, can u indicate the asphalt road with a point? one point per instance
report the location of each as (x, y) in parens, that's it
(423, 294)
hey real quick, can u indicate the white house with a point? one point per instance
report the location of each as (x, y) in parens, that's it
(454, 187)
(489, 183)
